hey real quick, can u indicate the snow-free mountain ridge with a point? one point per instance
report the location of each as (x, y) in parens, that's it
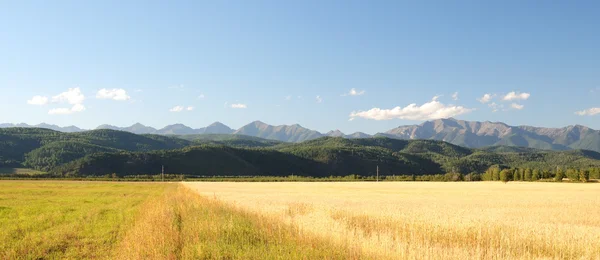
(471, 134)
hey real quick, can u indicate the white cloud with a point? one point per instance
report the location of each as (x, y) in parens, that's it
(486, 98)
(516, 96)
(78, 108)
(239, 105)
(517, 106)
(67, 111)
(354, 92)
(201, 96)
(118, 94)
(319, 99)
(589, 112)
(176, 109)
(190, 108)
(38, 100)
(138, 90)
(72, 96)
(431, 110)
(288, 98)
(455, 96)
(299, 97)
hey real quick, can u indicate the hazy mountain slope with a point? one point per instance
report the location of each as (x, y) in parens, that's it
(470, 134)
(138, 128)
(66, 129)
(481, 134)
(358, 135)
(176, 129)
(216, 128)
(285, 133)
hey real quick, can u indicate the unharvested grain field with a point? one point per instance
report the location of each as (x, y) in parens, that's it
(422, 220)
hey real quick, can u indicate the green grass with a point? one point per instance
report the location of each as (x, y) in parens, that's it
(61, 219)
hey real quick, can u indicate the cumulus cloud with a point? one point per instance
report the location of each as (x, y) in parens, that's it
(517, 106)
(455, 96)
(516, 96)
(354, 92)
(118, 94)
(67, 111)
(72, 96)
(176, 109)
(430, 110)
(319, 99)
(190, 108)
(38, 100)
(486, 98)
(239, 105)
(589, 112)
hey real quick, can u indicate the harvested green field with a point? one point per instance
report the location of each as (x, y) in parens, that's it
(61, 219)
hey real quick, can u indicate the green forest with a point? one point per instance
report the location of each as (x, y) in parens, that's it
(111, 152)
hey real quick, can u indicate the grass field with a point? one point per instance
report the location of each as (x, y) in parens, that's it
(67, 219)
(422, 220)
(110, 220)
(360, 220)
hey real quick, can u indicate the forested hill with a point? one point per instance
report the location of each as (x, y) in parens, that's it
(101, 152)
(44, 149)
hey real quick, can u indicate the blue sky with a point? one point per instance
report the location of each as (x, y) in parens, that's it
(238, 61)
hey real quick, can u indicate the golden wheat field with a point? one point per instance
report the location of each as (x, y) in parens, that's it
(421, 220)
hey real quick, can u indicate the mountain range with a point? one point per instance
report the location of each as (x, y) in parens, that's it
(104, 151)
(471, 134)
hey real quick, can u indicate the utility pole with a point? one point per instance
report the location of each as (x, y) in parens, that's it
(163, 173)
(377, 173)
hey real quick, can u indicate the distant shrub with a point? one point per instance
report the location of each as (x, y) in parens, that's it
(559, 175)
(506, 175)
(584, 176)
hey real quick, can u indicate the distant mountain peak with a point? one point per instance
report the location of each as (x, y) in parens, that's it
(216, 128)
(480, 134)
(216, 123)
(336, 133)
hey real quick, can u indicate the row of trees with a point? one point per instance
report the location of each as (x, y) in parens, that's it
(495, 173)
